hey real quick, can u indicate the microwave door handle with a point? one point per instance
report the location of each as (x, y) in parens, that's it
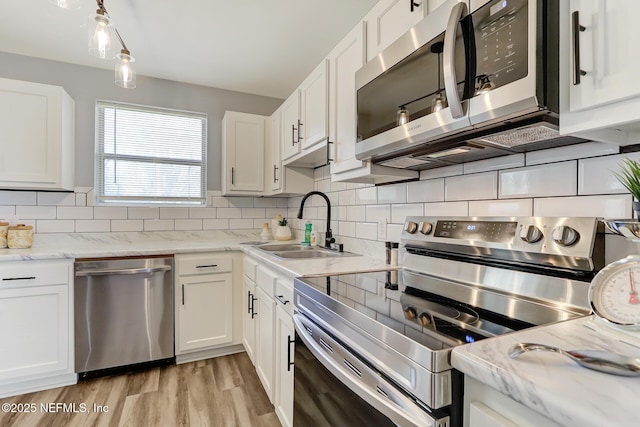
(449, 61)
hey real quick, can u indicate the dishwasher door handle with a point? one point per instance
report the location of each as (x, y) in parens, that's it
(114, 272)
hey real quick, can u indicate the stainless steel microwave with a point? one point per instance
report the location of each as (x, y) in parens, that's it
(472, 80)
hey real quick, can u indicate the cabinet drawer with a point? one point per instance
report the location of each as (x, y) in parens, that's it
(284, 295)
(34, 273)
(266, 279)
(203, 264)
(249, 268)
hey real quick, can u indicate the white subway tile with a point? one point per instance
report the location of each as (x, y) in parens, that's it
(394, 231)
(339, 213)
(504, 162)
(395, 193)
(338, 186)
(442, 172)
(81, 199)
(55, 226)
(143, 213)
(82, 189)
(240, 202)
(512, 207)
(367, 230)
(93, 226)
(309, 213)
(553, 179)
(356, 213)
(367, 196)
(347, 197)
(265, 202)
(476, 186)
(174, 213)
(36, 212)
(56, 199)
(240, 224)
(7, 211)
(284, 202)
(91, 197)
(400, 212)
(611, 206)
(596, 175)
(571, 152)
(319, 173)
(110, 212)
(159, 224)
(229, 213)
(214, 193)
(253, 213)
(447, 209)
(431, 190)
(347, 229)
(18, 198)
(272, 212)
(215, 224)
(188, 224)
(323, 185)
(127, 225)
(377, 213)
(219, 202)
(68, 212)
(204, 212)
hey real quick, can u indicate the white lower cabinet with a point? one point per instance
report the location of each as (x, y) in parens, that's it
(269, 333)
(36, 323)
(208, 305)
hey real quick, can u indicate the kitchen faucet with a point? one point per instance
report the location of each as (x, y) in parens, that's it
(329, 239)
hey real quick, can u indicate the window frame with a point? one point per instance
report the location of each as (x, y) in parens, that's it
(100, 199)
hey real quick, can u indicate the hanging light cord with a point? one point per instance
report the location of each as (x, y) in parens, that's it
(104, 9)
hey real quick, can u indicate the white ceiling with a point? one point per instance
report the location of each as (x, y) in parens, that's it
(264, 47)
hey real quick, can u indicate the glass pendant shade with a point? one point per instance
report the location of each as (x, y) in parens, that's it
(67, 4)
(125, 73)
(438, 103)
(100, 36)
(402, 118)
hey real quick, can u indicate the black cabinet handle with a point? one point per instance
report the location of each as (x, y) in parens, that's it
(414, 5)
(289, 358)
(281, 299)
(577, 29)
(19, 278)
(248, 302)
(299, 129)
(232, 176)
(329, 159)
(253, 300)
(207, 266)
(183, 294)
(293, 135)
(275, 172)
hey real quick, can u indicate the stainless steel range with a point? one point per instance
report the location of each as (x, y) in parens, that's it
(371, 351)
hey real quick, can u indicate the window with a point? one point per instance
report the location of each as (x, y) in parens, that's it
(148, 155)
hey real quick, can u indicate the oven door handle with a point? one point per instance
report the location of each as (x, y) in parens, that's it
(369, 385)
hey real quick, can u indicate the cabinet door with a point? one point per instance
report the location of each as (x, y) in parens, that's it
(285, 338)
(606, 52)
(344, 60)
(290, 134)
(265, 348)
(313, 107)
(243, 142)
(205, 311)
(34, 323)
(274, 171)
(248, 319)
(37, 129)
(388, 20)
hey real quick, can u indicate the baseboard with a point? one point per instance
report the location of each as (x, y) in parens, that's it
(208, 354)
(38, 385)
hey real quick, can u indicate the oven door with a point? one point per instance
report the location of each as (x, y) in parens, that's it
(333, 387)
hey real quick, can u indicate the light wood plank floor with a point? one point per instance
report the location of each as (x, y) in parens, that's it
(224, 391)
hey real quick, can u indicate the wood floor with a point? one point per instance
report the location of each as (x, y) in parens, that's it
(224, 391)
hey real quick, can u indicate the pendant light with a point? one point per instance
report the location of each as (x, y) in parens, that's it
(67, 4)
(125, 73)
(100, 35)
(439, 102)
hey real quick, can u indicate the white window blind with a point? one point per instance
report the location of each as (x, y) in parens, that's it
(148, 155)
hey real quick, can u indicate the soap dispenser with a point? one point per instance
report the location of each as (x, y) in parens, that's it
(307, 232)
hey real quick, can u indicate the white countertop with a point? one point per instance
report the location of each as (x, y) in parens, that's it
(552, 384)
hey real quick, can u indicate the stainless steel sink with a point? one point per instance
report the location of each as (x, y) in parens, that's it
(292, 251)
(290, 247)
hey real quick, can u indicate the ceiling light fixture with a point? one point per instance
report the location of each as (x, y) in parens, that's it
(101, 32)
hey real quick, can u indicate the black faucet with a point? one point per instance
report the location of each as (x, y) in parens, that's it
(329, 239)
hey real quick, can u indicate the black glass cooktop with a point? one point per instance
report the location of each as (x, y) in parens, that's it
(424, 316)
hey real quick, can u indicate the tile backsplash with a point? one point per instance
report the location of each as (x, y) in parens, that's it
(570, 181)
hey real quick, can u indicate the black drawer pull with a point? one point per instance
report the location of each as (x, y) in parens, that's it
(19, 278)
(207, 266)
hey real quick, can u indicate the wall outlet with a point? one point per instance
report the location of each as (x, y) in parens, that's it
(382, 229)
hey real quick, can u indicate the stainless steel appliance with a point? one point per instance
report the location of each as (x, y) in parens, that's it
(123, 314)
(473, 80)
(369, 350)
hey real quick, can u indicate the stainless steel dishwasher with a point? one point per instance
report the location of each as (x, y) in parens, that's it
(123, 314)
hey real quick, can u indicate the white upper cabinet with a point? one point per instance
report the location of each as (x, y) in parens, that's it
(243, 153)
(598, 69)
(290, 134)
(388, 20)
(313, 107)
(37, 123)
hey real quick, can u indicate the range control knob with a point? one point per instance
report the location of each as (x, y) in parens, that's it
(410, 313)
(565, 235)
(425, 227)
(425, 320)
(410, 227)
(531, 234)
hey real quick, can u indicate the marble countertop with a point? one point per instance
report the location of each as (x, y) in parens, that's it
(554, 385)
